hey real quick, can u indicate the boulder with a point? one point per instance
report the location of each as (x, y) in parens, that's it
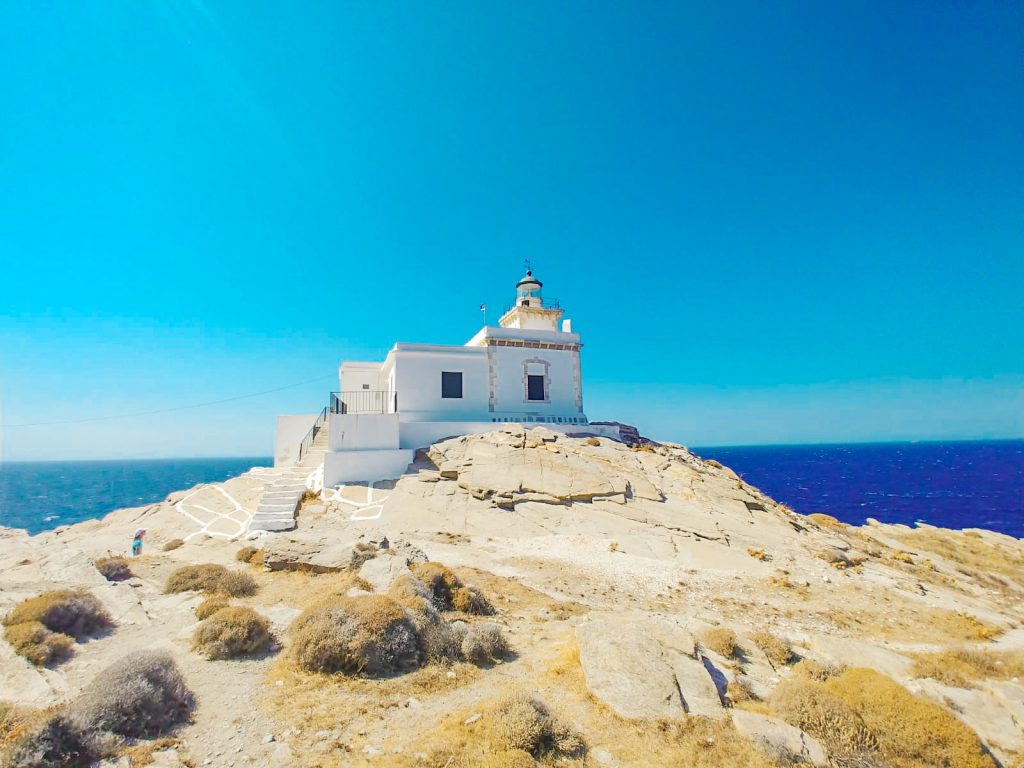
(308, 552)
(854, 653)
(383, 570)
(638, 676)
(780, 737)
(984, 710)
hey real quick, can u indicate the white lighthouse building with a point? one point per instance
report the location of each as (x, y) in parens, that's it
(525, 370)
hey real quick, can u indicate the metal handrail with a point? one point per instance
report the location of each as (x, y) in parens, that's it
(307, 441)
(363, 401)
(545, 303)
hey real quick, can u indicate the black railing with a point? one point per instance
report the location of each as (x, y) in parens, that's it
(544, 303)
(307, 441)
(364, 401)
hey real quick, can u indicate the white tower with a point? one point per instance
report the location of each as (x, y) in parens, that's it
(531, 311)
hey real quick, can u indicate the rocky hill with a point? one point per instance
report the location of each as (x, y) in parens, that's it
(519, 598)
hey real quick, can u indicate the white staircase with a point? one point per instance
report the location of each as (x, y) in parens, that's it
(281, 497)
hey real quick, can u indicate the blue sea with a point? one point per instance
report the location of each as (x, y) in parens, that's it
(955, 485)
(41, 495)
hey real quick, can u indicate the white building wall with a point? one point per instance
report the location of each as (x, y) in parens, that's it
(418, 383)
(355, 376)
(513, 364)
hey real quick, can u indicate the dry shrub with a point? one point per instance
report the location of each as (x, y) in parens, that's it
(210, 606)
(438, 640)
(961, 667)
(519, 722)
(738, 691)
(74, 612)
(245, 554)
(231, 632)
(700, 741)
(472, 600)
(368, 634)
(142, 695)
(209, 577)
(713, 463)
(173, 544)
(864, 714)
(592, 441)
(979, 630)
(33, 641)
(758, 554)
(440, 580)
(411, 593)
(446, 590)
(114, 568)
(482, 642)
(912, 732)
(722, 641)
(51, 740)
(825, 521)
(809, 706)
(815, 670)
(776, 650)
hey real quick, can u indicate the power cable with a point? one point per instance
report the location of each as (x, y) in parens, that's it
(167, 410)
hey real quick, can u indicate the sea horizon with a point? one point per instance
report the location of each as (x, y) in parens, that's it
(693, 448)
(953, 484)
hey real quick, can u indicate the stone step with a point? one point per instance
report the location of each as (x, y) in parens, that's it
(282, 525)
(263, 517)
(277, 509)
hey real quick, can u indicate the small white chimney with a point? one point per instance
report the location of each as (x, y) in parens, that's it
(567, 326)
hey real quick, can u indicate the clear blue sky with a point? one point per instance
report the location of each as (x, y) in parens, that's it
(771, 222)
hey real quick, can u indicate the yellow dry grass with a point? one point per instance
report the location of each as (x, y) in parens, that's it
(34, 642)
(301, 589)
(210, 606)
(210, 578)
(144, 753)
(826, 521)
(230, 633)
(997, 561)
(862, 713)
(722, 641)
(963, 667)
(777, 651)
(15, 720)
(895, 617)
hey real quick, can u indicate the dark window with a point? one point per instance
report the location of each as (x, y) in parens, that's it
(534, 387)
(451, 384)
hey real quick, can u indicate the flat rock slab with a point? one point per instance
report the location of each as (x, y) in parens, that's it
(640, 677)
(309, 552)
(779, 736)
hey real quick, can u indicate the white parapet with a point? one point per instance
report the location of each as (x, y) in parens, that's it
(359, 466)
(363, 432)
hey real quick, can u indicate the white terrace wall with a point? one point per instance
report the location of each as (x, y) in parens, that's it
(290, 431)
